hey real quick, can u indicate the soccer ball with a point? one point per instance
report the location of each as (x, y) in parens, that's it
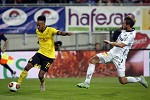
(13, 86)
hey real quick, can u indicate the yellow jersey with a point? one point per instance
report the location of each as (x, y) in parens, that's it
(46, 42)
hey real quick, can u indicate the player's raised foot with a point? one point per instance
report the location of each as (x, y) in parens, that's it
(42, 87)
(83, 85)
(143, 82)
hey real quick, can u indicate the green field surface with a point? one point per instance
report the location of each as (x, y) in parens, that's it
(102, 88)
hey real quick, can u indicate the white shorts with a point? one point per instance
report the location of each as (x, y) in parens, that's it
(118, 62)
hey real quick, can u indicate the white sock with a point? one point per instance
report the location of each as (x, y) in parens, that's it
(89, 73)
(133, 79)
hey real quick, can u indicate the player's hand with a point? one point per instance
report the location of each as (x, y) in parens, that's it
(3, 49)
(69, 33)
(106, 41)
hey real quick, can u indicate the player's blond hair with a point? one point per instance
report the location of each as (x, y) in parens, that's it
(130, 16)
(130, 20)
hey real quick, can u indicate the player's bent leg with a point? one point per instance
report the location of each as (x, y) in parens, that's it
(24, 73)
(86, 84)
(22, 76)
(121, 75)
(123, 80)
(94, 60)
(141, 80)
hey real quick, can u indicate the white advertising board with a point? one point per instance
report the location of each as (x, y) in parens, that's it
(20, 61)
(102, 18)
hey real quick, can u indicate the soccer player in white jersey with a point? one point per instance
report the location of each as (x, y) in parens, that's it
(117, 55)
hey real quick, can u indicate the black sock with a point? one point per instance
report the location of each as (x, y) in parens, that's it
(7, 67)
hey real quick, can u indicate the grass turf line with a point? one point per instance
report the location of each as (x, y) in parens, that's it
(102, 88)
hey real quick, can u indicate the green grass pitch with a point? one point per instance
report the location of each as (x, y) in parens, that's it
(102, 88)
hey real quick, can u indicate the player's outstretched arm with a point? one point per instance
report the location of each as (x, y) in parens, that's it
(121, 45)
(64, 33)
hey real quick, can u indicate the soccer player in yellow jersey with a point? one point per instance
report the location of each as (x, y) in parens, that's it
(46, 53)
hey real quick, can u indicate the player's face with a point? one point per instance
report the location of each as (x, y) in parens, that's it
(97, 47)
(41, 25)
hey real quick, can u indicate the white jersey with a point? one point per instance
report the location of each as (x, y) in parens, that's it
(126, 38)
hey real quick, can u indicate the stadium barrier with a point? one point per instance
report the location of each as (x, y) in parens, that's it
(75, 63)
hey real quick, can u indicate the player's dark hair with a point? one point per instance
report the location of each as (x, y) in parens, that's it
(129, 21)
(41, 18)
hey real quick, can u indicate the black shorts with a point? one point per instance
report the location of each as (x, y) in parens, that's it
(43, 61)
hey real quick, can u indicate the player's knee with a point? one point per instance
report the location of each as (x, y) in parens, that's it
(28, 67)
(122, 81)
(94, 60)
(41, 76)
